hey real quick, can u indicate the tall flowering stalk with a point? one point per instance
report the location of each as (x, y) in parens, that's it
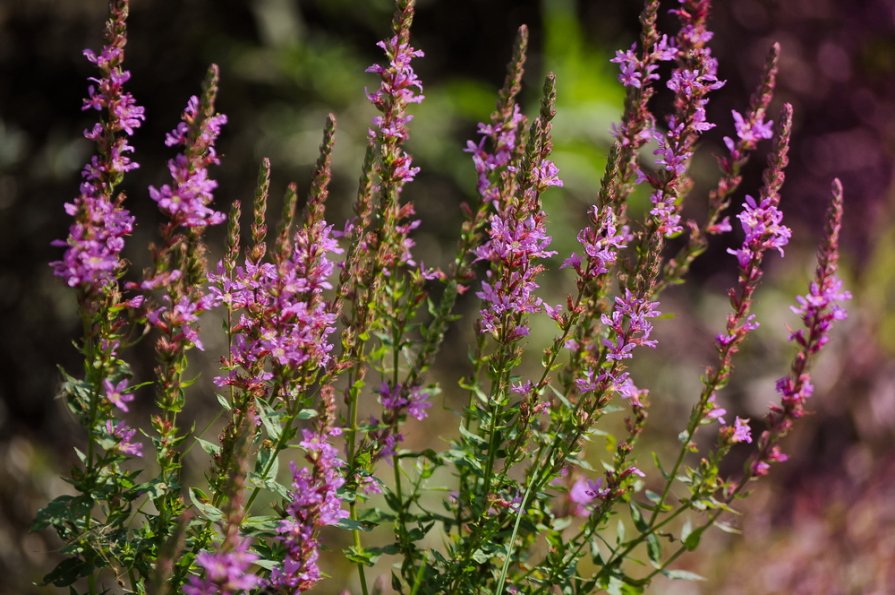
(522, 501)
(227, 569)
(179, 277)
(92, 264)
(818, 309)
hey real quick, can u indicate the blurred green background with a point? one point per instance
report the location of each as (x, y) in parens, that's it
(823, 523)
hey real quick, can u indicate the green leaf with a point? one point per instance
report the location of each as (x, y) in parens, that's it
(264, 459)
(67, 572)
(474, 438)
(62, 510)
(200, 501)
(653, 549)
(691, 542)
(351, 525)
(224, 402)
(270, 419)
(268, 564)
(481, 556)
(727, 528)
(209, 447)
(686, 530)
(683, 575)
(270, 485)
(307, 413)
(261, 523)
(637, 517)
(359, 555)
(659, 466)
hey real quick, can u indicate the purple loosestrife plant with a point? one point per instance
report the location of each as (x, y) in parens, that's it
(311, 314)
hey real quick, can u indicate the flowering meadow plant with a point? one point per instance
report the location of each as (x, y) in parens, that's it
(324, 320)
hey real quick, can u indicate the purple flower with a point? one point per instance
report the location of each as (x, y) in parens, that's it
(284, 317)
(633, 71)
(713, 410)
(735, 333)
(514, 244)
(629, 67)
(92, 259)
(123, 436)
(584, 492)
(636, 312)
(740, 432)
(397, 402)
(414, 401)
(314, 504)
(665, 211)
(752, 132)
(186, 201)
(491, 165)
(117, 393)
(602, 241)
(399, 87)
(763, 224)
(629, 391)
(225, 573)
(819, 308)
(179, 322)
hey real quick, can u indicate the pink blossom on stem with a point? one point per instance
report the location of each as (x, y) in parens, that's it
(186, 201)
(117, 393)
(399, 87)
(584, 492)
(490, 165)
(602, 241)
(818, 310)
(314, 504)
(123, 437)
(225, 572)
(92, 259)
(513, 246)
(630, 323)
(284, 318)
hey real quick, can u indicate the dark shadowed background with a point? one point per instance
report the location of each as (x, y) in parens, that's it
(822, 523)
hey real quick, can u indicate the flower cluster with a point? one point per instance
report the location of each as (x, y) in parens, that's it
(635, 71)
(692, 79)
(226, 572)
(583, 493)
(513, 246)
(92, 258)
(522, 470)
(314, 504)
(818, 310)
(636, 312)
(602, 241)
(490, 164)
(398, 402)
(284, 319)
(122, 437)
(763, 225)
(630, 326)
(186, 201)
(399, 87)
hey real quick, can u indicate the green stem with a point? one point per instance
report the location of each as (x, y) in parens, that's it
(352, 505)
(510, 546)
